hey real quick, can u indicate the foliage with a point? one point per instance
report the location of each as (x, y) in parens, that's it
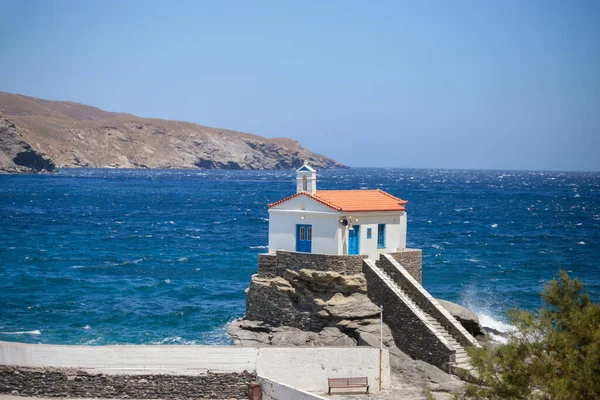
(427, 393)
(552, 355)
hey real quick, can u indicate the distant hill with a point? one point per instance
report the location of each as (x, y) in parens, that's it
(40, 135)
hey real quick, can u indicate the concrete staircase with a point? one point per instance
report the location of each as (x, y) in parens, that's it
(462, 362)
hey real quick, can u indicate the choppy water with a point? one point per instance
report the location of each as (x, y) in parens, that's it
(139, 256)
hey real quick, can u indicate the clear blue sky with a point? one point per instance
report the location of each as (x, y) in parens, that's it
(450, 84)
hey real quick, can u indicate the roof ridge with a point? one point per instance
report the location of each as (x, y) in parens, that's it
(393, 197)
(352, 200)
(322, 201)
(348, 190)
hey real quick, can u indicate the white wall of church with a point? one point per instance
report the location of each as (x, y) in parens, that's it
(325, 230)
(395, 233)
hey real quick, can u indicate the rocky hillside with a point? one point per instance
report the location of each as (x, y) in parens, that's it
(70, 134)
(16, 156)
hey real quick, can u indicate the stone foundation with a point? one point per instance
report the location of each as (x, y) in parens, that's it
(62, 382)
(276, 264)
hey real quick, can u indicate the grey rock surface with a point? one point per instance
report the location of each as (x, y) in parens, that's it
(354, 306)
(467, 318)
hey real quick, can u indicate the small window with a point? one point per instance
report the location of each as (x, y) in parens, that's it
(381, 236)
(304, 184)
(369, 233)
(309, 233)
(302, 233)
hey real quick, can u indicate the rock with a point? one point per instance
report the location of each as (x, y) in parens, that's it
(327, 337)
(370, 326)
(467, 318)
(327, 281)
(307, 299)
(243, 335)
(354, 306)
(255, 334)
(439, 380)
(496, 332)
(256, 326)
(403, 365)
(367, 339)
(17, 156)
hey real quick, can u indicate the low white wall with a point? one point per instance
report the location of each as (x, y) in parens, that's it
(180, 360)
(308, 368)
(271, 390)
(305, 368)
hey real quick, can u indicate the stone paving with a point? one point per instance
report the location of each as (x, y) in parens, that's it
(400, 390)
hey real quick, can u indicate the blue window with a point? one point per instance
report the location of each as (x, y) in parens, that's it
(369, 233)
(381, 236)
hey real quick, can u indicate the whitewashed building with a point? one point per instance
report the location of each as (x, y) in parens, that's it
(337, 222)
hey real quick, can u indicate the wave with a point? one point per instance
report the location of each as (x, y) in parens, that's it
(259, 247)
(175, 340)
(35, 332)
(488, 321)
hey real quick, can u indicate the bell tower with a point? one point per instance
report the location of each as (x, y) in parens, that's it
(306, 179)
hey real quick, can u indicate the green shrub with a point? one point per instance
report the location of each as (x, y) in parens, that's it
(554, 354)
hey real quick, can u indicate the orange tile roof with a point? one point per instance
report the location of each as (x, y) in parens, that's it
(353, 200)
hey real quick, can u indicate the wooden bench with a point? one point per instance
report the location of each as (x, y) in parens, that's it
(348, 383)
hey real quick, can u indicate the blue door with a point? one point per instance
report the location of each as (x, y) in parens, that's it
(353, 239)
(304, 238)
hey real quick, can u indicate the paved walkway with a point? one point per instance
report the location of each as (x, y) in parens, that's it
(400, 390)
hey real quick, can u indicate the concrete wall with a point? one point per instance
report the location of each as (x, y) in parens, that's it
(275, 264)
(171, 359)
(411, 332)
(271, 390)
(425, 301)
(309, 368)
(305, 368)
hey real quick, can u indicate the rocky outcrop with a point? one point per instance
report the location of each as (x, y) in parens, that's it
(308, 299)
(76, 135)
(307, 307)
(467, 318)
(16, 156)
(326, 308)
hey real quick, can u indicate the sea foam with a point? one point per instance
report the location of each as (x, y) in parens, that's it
(35, 332)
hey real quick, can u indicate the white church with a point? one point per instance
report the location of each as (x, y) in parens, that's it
(339, 222)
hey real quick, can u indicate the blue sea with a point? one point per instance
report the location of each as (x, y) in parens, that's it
(163, 256)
